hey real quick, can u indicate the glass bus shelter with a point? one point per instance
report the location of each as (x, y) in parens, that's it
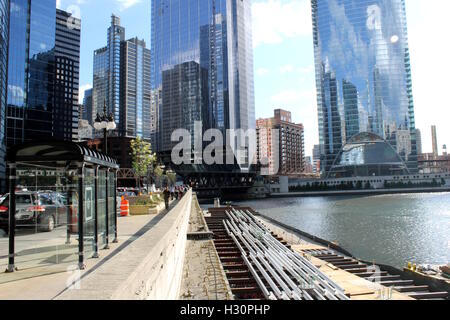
(65, 203)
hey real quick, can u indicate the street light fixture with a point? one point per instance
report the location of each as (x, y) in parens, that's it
(106, 123)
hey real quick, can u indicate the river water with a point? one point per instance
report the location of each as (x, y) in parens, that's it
(388, 229)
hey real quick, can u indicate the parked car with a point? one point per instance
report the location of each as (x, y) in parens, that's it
(44, 210)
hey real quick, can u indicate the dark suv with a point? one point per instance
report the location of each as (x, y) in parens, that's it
(35, 209)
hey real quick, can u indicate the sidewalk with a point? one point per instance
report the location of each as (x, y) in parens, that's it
(47, 287)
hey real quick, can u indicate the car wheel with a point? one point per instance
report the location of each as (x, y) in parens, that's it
(47, 223)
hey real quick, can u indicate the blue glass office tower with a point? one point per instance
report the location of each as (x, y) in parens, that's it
(122, 80)
(135, 89)
(4, 39)
(364, 84)
(31, 74)
(107, 72)
(203, 49)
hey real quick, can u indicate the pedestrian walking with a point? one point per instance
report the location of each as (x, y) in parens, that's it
(166, 195)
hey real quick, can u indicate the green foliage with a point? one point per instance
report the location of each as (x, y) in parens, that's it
(146, 200)
(172, 177)
(322, 186)
(142, 156)
(158, 172)
(410, 184)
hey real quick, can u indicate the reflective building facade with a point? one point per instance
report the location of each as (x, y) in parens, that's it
(363, 76)
(205, 48)
(4, 39)
(100, 83)
(136, 88)
(87, 106)
(116, 34)
(107, 72)
(122, 80)
(31, 73)
(366, 155)
(43, 72)
(67, 79)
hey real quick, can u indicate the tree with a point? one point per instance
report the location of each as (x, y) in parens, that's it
(158, 172)
(142, 157)
(172, 178)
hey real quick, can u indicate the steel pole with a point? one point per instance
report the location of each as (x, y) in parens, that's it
(12, 217)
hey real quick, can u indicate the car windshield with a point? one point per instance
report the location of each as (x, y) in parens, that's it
(4, 200)
(45, 199)
(23, 199)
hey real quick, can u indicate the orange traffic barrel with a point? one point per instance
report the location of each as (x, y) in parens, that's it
(125, 207)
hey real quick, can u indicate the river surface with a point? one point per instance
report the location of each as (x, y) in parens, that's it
(388, 229)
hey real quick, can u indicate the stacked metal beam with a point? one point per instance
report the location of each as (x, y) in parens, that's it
(281, 273)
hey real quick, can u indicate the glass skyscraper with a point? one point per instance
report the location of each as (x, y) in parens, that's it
(43, 72)
(364, 81)
(107, 72)
(31, 73)
(122, 80)
(67, 64)
(4, 39)
(136, 88)
(203, 49)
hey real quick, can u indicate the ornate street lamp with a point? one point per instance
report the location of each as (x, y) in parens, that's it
(106, 123)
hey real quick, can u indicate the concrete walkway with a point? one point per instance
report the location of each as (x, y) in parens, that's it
(35, 284)
(203, 275)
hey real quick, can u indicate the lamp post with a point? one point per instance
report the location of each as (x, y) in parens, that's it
(106, 123)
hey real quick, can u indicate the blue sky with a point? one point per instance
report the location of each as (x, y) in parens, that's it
(284, 60)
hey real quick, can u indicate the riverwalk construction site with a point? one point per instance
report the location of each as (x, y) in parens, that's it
(222, 253)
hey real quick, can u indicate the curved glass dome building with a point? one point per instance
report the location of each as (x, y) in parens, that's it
(363, 76)
(367, 154)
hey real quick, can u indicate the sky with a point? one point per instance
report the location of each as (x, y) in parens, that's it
(284, 56)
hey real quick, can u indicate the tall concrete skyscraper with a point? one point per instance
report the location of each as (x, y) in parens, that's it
(434, 140)
(205, 48)
(363, 64)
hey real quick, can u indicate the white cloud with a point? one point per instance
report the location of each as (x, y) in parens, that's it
(291, 97)
(303, 105)
(83, 88)
(430, 67)
(274, 20)
(262, 72)
(125, 4)
(287, 68)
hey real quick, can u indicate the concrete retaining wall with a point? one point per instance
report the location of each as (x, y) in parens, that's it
(150, 268)
(359, 192)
